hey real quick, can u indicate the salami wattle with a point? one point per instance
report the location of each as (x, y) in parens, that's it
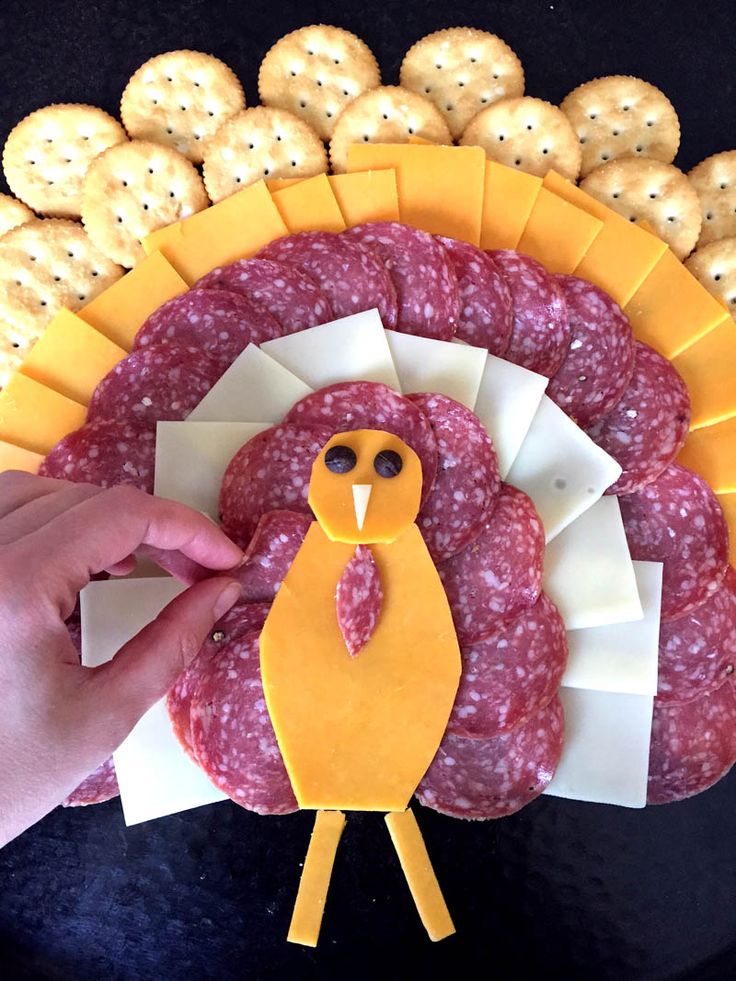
(276, 540)
(99, 786)
(491, 778)
(358, 600)
(107, 453)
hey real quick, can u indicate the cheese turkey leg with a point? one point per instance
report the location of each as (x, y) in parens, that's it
(306, 919)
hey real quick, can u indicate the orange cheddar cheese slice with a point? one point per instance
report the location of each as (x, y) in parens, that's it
(508, 199)
(16, 458)
(123, 308)
(35, 417)
(728, 503)
(711, 452)
(309, 206)
(369, 195)
(310, 901)
(557, 233)
(440, 187)
(709, 371)
(71, 357)
(235, 228)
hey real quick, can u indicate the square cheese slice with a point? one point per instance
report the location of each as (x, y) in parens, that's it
(368, 195)
(711, 452)
(14, 458)
(426, 365)
(35, 417)
(309, 206)
(708, 368)
(508, 199)
(557, 233)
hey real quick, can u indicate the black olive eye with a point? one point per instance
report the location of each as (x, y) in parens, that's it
(387, 463)
(340, 459)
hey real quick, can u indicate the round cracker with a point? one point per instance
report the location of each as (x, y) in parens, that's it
(462, 70)
(258, 143)
(45, 264)
(133, 189)
(619, 116)
(315, 72)
(526, 133)
(714, 265)
(180, 99)
(389, 114)
(714, 180)
(13, 213)
(47, 155)
(648, 190)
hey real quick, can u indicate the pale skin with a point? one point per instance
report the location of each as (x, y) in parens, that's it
(59, 720)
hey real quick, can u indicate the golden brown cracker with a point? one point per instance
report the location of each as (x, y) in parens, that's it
(714, 265)
(315, 72)
(714, 180)
(13, 213)
(47, 155)
(180, 99)
(462, 70)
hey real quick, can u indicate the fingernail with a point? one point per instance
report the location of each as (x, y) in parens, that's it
(227, 598)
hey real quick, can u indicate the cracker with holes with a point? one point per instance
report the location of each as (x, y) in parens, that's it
(45, 264)
(390, 114)
(462, 70)
(715, 266)
(714, 180)
(133, 189)
(647, 190)
(258, 143)
(180, 99)
(526, 133)
(13, 213)
(315, 72)
(47, 155)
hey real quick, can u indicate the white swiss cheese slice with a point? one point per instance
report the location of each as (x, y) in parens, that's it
(561, 468)
(588, 570)
(605, 755)
(156, 776)
(426, 365)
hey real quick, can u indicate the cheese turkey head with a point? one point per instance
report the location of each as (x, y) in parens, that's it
(366, 487)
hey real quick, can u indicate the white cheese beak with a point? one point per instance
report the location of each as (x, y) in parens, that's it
(361, 496)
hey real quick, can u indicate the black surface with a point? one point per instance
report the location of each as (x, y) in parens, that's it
(563, 889)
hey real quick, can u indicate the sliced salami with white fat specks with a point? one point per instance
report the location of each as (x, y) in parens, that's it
(499, 575)
(491, 778)
(510, 676)
(99, 786)
(358, 600)
(351, 275)
(486, 315)
(467, 484)
(276, 540)
(600, 357)
(647, 428)
(678, 521)
(422, 273)
(541, 331)
(107, 453)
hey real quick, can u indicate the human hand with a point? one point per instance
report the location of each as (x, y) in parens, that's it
(60, 720)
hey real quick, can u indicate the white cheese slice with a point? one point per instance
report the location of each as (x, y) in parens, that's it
(620, 657)
(156, 776)
(350, 349)
(588, 570)
(426, 365)
(191, 458)
(255, 388)
(507, 402)
(605, 755)
(561, 468)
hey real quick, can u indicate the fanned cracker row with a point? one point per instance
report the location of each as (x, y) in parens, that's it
(526, 133)
(390, 114)
(47, 155)
(13, 213)
(315, 72)
(134, 189)
(180, 99)
(462, 70)
(714, 265)
(714, 179)
(619, 116)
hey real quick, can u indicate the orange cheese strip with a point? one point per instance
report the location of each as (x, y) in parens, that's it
(306, 919)
(508, 199)
(235, 228)
(71, 357)
(369, 195)
(728, 503)
(711, 452)
(124, 307)
(422, 881)
(309, 206)
(35, 417)
(557, 233)
(440, 187)
(16, 458)
(709, 370)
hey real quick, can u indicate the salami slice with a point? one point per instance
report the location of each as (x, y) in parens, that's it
(421, 270)
(600, 357)
(467, 484)
(271, 472)
(540, 335)
(499, 576)
(219, 322)
(163, 381)
(107, 453)
(510, 676)
(697, 652)
(677, 520)
(359, 600)
(99, 786)
(491, 778)
(232, 735)
(276, 540)
(286, 293)
(485, 318)
(351, 275)
(693, 745)
(646, 430)
(370, 405)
